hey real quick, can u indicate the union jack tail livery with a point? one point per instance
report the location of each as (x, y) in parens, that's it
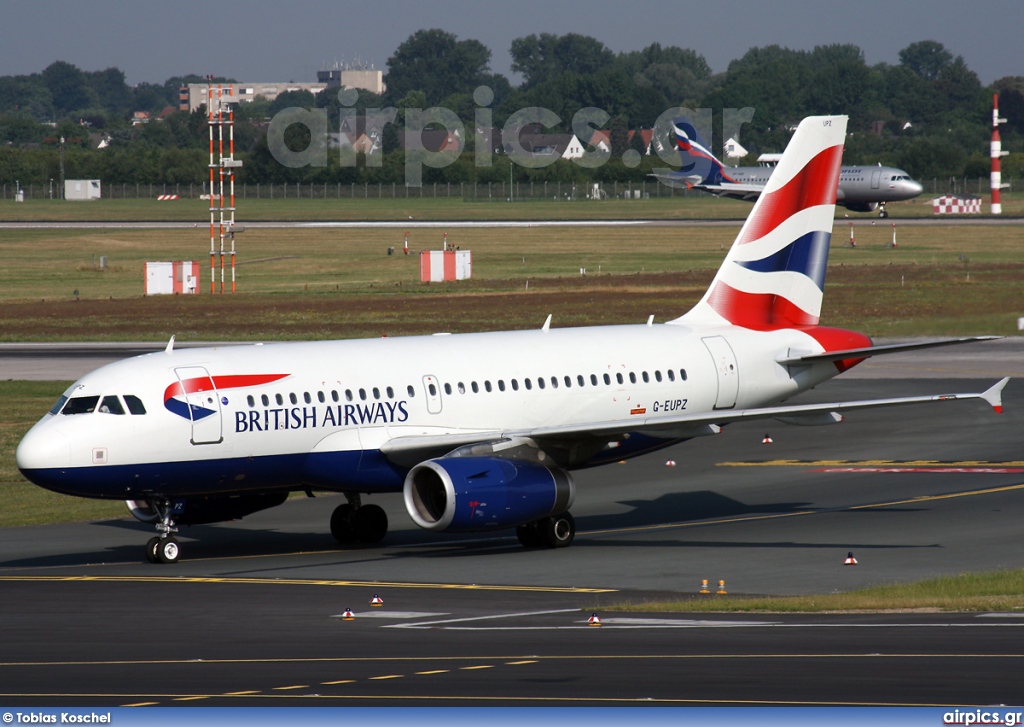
(774, 275)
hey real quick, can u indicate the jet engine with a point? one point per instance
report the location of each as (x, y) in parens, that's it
(467, 494)
(860, 206)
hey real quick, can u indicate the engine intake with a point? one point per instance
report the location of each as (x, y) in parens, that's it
(467, 494)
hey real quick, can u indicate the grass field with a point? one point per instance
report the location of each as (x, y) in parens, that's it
(430, 208)
(341, 283)
(998, 591)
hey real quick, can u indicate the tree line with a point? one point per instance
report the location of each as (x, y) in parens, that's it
(928, 114)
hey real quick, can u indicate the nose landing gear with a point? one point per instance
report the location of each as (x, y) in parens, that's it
(163, 548)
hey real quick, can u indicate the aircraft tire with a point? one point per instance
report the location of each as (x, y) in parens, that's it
(151, 547)
(883, 214)
(370, 524)
(341, 524)
(168, 550)
(558, 531)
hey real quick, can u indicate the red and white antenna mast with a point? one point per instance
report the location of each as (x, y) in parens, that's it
(222, 184)
(997, 153)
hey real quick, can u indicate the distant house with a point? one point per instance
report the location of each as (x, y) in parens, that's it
(140, 117)
(601, 140)
(435, 140)
(562, 146)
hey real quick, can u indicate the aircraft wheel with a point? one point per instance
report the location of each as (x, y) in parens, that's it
(168, 550)
(151, 547)
(883, 214)
(370, 523)
(558, 531)
(341, 524)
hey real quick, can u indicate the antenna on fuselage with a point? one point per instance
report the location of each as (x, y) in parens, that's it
(170, 346)
(547, 323)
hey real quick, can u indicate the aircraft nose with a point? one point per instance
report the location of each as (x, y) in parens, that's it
(43, 448)
(914, 187)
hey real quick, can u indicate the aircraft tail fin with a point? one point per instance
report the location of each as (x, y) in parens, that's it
(700, 166)
(774, 274)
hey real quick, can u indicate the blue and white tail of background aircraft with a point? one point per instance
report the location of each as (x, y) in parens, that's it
(478, 431)
(860, 188)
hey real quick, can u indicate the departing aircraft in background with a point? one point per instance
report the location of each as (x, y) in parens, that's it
(478, 431)
(862, 188)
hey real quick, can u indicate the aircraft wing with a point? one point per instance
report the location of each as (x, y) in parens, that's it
(869, 351)
(414, 449)
(731, 190)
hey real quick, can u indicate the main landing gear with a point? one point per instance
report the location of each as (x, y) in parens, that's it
(354, 522)
(556, 531)
(164, 548)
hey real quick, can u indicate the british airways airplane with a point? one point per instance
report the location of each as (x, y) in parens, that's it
(478, 431)
(862, 188)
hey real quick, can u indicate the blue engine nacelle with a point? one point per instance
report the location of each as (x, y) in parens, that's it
(467, 494)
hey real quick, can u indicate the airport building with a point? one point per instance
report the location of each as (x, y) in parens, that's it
(194, 95)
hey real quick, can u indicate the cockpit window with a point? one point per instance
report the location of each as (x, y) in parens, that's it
(111, 405)
(59, 405)
(81, 405)
(134, 404)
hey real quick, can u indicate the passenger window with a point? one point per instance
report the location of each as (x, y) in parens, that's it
(334, 395)
(135, 404)
(593, 380)
(682, 374)
(320, 397)
(487, 386)
(306, 397)
(671, 375)
(645, 377)
(501, 384)
(279, 399)
(475, 388)
(265, 399)
(111, 405)
(568, 382)
(390, 392)
(81, 405)
(376, 393)
(554, 382)
(249, 400)
(657, 376)
(362, 395)
(448, 388)
(348, 394)
(515, 385)
(528, 384)
(632, 377)
(540, 382)
(411, 391)
(462, 388)
(432, 389)
(618, 378)
(292, 398)
(607, 380)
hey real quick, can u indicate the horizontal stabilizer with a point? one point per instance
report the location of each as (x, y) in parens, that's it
(869, 351)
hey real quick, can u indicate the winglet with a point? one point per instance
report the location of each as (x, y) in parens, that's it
(994, 395)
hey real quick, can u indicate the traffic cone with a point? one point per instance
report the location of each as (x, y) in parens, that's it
(376, 600)
(850, 560)
(704, 587)
(594, 620)
(767, 439)
(348, 615)
(721, 589)
(670, 463)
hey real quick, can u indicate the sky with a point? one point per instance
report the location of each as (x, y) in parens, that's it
(261, 40)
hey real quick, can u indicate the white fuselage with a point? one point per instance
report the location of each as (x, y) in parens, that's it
(331, 405)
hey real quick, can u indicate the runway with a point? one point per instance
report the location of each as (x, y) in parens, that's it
(251, 614)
